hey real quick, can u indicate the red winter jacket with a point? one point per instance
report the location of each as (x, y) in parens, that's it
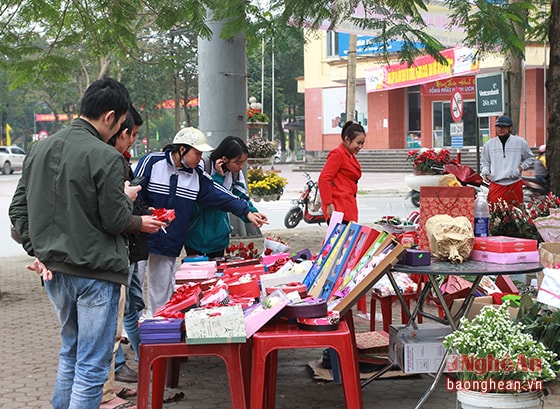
(338, 183)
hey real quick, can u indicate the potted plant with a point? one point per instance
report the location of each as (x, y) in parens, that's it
(265, 185)
(496, 363)
(429, 161)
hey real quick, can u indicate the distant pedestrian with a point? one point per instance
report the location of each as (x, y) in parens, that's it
(541, 171)
(210, 230)
(338, 181)
(503, 160)
(70, 210)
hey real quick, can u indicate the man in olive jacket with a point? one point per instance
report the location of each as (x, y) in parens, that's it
(70, 209)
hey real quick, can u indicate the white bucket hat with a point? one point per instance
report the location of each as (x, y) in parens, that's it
(193, 137)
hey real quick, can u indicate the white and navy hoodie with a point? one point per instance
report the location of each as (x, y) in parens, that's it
(169, 187)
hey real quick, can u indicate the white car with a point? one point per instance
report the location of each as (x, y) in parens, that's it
(11, 158)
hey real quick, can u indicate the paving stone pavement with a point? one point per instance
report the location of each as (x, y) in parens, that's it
(30, 344)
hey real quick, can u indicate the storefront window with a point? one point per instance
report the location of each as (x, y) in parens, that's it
(441, 117)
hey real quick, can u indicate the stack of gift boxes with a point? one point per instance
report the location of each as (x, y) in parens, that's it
(228, 302)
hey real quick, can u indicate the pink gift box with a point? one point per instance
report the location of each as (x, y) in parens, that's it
(199, 270)
(505, 258)
(259, 314)
(271, 258)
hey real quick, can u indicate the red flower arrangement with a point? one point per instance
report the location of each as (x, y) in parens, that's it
(242, 250)
(429, 161)
(511, 220)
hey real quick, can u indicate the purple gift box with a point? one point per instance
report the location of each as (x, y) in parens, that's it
(416, 258)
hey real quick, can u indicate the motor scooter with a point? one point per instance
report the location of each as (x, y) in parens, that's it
(307, 207)
(534, 188)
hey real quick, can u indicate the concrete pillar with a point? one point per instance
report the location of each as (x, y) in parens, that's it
(222, 84)
(222, 95)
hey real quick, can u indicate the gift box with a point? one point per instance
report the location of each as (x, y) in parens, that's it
(253, 269)
(223, 265)
(245, 289)
(161, 331)
(219, 325)
(185, 297)
(505, 258)
(455, 287)
(271, 258)
(196, 271)
(259, 314)
(504, 244)
(382, 256)
(506, 284)
(417, 258)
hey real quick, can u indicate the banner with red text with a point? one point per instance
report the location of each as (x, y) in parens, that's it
(460, 61)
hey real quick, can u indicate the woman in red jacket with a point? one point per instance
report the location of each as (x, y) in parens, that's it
(338, 181)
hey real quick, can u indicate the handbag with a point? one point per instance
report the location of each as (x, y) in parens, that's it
(454, 201)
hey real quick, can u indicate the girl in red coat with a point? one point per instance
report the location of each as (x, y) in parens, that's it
(338, 181)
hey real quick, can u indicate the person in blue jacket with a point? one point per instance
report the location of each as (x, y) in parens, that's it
(210, 231)
(173, 180)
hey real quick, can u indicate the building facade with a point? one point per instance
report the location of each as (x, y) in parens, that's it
(425, 105)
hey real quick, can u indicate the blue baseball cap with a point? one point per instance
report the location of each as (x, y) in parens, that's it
(504, 121)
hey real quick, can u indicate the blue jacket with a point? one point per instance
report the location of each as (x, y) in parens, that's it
(169, 187)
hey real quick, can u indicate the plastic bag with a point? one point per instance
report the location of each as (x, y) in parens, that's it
(451, 238)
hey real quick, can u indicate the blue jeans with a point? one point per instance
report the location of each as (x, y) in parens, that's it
(134, 304)
(87, 310)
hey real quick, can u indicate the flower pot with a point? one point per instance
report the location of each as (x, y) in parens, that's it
(479, 400)
(256, 125)
(256, 198)
(415, 181)
(254, 162)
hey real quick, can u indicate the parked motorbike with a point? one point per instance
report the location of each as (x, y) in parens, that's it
(307, 207)
(533, 188)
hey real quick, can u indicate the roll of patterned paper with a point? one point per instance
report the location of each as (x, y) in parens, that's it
(307, 308)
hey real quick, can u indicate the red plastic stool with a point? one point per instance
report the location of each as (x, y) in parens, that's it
(386, 304)
(269, 339)
(235, 357)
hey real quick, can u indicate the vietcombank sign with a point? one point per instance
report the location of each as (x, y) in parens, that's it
(490, 94)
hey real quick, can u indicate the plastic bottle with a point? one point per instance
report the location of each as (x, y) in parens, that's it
(481, 216)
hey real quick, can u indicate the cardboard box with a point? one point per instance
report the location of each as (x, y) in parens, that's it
(549, 253)
(477, 305)
(504, 244)
(505, 258)
(417, 350)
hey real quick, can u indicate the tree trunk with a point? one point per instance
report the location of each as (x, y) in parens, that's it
(351, 79)
(553, 93)
(513, 65)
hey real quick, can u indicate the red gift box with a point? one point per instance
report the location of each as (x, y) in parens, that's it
(506, 285)
(504, 244)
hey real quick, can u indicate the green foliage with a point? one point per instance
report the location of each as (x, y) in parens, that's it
(542, 322)
(493, 26)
